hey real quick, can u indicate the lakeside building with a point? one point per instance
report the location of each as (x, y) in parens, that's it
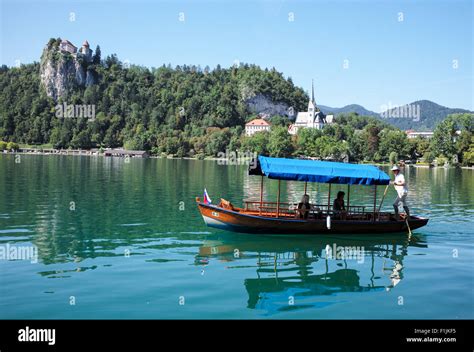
(411, 134)
(93, 151)
(123, 153)
(313, 118)
(256, 125)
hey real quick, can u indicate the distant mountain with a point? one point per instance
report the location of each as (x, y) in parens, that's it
(421, 115)
(348, 108)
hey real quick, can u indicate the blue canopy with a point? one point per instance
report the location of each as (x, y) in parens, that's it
(320, 171)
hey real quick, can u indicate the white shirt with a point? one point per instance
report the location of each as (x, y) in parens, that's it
(401, 190)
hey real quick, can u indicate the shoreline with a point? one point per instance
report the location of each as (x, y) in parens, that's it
(92, 153)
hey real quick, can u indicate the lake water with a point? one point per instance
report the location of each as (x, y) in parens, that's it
(102, 238)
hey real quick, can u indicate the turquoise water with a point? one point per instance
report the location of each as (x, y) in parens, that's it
(125, 240)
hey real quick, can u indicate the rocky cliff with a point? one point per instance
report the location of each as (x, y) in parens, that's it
(61, 72)
(262, 104)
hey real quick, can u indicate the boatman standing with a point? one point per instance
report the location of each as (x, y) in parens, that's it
(402, 191)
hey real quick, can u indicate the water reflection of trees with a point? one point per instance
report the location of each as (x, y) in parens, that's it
(107, 193)
(299, 269)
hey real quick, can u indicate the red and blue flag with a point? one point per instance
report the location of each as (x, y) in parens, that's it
(207, 199)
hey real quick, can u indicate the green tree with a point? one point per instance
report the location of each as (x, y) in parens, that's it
(393, 158)
(257, 143)
(428, 157)
(278, 120)
(442, 142)
(218, 140)
(12, 146)
(419, 147)
(393, 141)
(327, 147)
(96, 58)
(81, 140)
(280, 144)
(372, 139)
(357, 146)
(468, 154)
(463, 143)
(306, 141)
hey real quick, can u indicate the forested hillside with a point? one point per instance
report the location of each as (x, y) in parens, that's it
(163, 109)
(194, 111)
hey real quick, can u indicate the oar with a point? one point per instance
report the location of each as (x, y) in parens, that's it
(408, 225)
(383, 197)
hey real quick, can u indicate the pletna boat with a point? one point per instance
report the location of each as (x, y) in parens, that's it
(286, 218)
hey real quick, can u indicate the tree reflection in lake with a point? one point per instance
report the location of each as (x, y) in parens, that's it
(295, 272)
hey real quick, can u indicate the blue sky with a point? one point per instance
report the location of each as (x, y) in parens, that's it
(427, 54)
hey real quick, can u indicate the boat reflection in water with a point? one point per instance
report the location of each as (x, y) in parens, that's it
(292, 273)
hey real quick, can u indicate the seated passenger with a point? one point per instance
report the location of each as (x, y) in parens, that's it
(338, 205)
(318, 214)
(304, 207)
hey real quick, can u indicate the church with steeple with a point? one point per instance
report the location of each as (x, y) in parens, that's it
(313, 118)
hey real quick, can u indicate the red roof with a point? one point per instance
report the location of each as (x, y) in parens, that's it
(258, 122)
(65, 41)
(86, 43)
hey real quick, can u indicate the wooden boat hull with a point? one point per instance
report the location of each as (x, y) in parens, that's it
(236, 221)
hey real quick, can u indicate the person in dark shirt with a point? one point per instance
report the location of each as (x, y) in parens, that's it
(304, 207)
(338, 206)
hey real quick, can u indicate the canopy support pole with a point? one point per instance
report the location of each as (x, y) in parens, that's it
(278, 200)
(261, 195)
(329, 198)
(305, 186)
(375, 201)
(383, 197)
(348, 197)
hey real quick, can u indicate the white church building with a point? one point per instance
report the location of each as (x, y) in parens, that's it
(313, 118)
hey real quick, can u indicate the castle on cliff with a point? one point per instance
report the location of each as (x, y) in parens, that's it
(85, 51)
